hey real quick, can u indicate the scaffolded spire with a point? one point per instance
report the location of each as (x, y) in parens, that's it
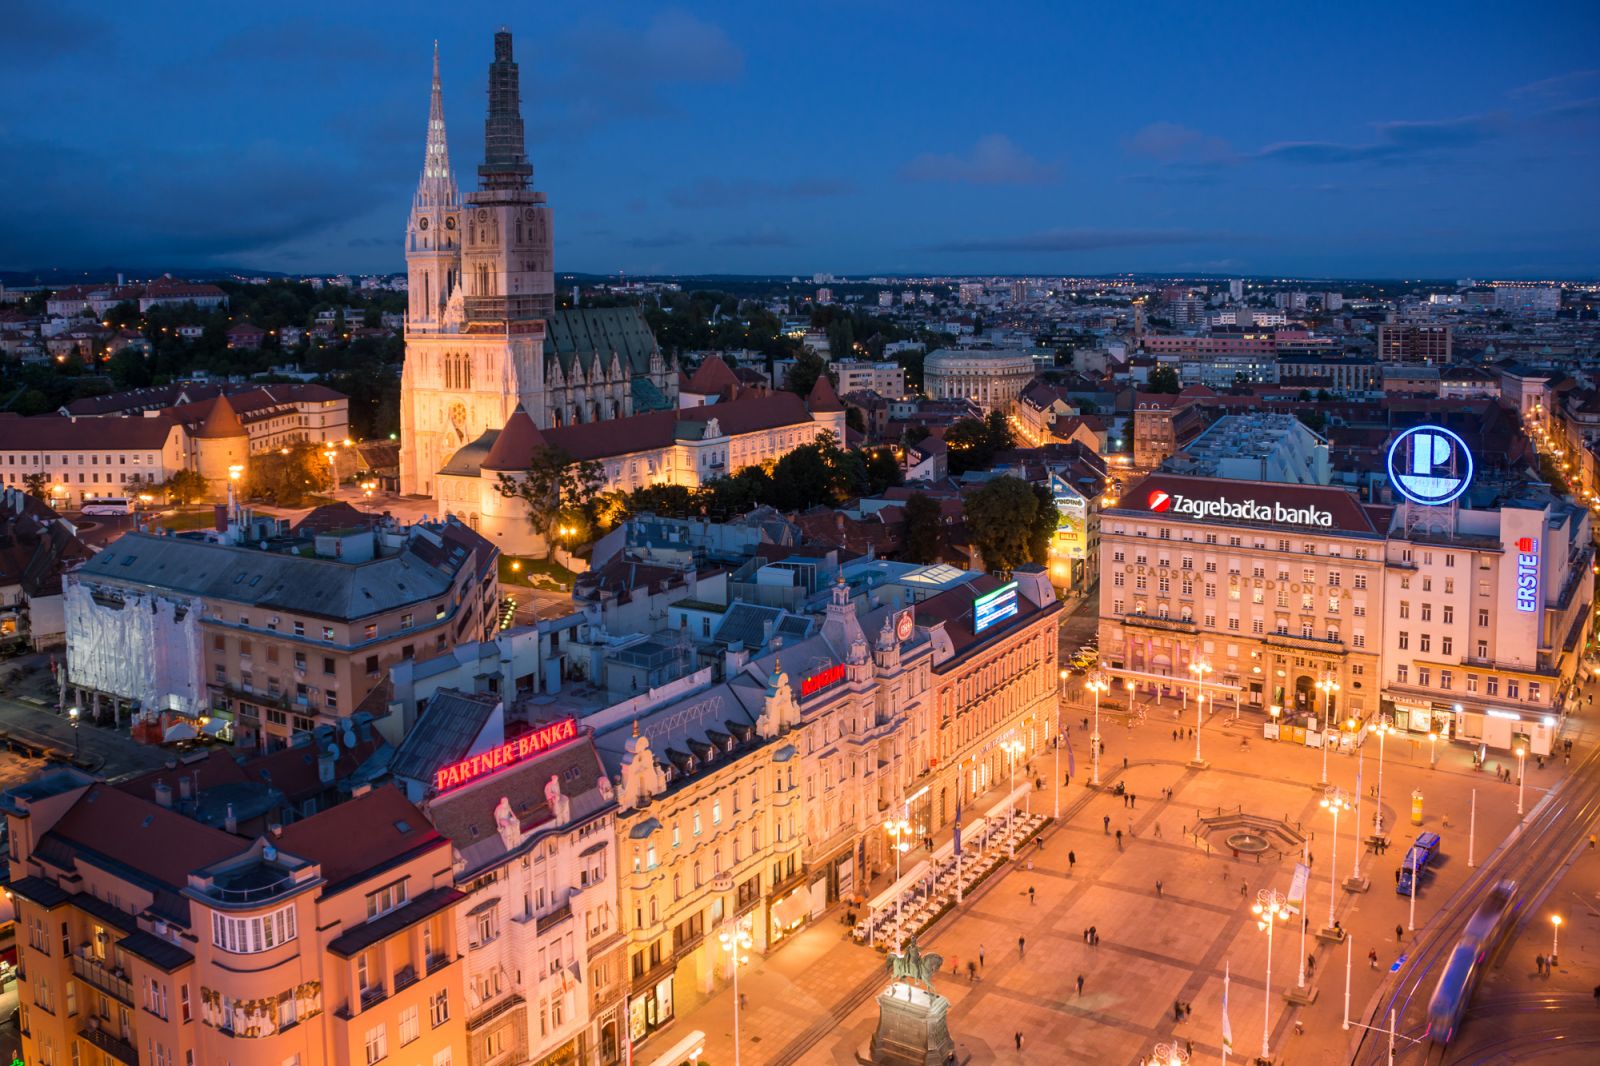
(438, 186)
(505, 163)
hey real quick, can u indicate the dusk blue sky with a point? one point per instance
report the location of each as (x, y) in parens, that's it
(1394, 140)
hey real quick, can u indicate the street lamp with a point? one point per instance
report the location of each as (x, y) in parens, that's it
(1555, 937)
(1168, 1055)
(1013, 748)
(73, 714)
(1333, 803)
(897, 828)
(1328, 686)
(333, 477)
(735, 941)
(1097, 684)
(1433, 751)
(1383, 729)
(1199, 670)
(1061, 694)
(1270, 907)
(1522, 755)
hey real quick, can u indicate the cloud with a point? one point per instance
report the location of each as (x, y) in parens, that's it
(37, 33)
(722, 192)
(1560, 85)
(994, 160)
(1080, 240)
(1168, 142)
(1394, 141)
(762, 237)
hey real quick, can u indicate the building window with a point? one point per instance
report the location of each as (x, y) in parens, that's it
(386, 899)
(1491, 686)
(1533, 692)
(246, 936)
(1513, 688)
(439, 1008)
(1449, 616)
(1402, 673)
(377, 1044)
(1404, 640)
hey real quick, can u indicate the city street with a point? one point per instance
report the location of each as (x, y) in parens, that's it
(811, 1000)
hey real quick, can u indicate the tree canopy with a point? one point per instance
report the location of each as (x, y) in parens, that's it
(1011, 522)
(555, 489)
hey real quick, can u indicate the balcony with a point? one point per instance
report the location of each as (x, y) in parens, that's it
(437, 962)
(117, 1048)
(97, 975)
(404, 977)
(1291, 640)
(371, 996)
(554, 918)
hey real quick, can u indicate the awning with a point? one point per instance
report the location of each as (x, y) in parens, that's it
(791, 910)
(216, 727)
(178, 731)
(8, 956)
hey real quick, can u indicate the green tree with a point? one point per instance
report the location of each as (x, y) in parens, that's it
(808, 367)
(185, 487)
(1003, 517)
(676, 500)
(841, 339)
(1163, 379)
(130, 369)
(288, 477)
(553, 488)
(883, 471)
(923, 520)
(1045, 521)
(37, 485)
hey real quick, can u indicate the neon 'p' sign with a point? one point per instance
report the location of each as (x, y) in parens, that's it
(1429, 465)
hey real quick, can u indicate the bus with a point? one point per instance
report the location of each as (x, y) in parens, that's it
(108, 505)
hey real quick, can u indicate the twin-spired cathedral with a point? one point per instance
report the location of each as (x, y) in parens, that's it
(494, 370)
(483, 334)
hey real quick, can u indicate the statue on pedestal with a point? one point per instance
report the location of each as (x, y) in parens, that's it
(912, 1030)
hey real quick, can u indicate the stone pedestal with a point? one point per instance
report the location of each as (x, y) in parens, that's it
(1356, 884)
(1301, 996)
(1330, 935)
(911, 1029)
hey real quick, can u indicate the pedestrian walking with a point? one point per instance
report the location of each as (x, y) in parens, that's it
(1086, 936)
(744, 1001)
(1094, 937)
(1106, 821)
(1158, 889)
(1311, 964)
(1022, 947)
(1133, 801)
(1397, 875)
(1538, 964)
(1399, 933)
(1119, 840)
(980, 954)
(1244, 890)
(1177, 1011)
(972, 971)
(1031, 900)
(1158, 831)
(1080, 984)
(1372, 958)
(1019, 1039)
(1188, 1009)
(1124, 762)
(1072, 859)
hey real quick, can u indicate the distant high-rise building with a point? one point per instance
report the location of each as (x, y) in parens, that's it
(1405, 342)
(824, 296)
(1019, 292)
(1236, 289)
(885, 298)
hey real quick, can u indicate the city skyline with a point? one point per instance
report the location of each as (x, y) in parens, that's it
(707, 139)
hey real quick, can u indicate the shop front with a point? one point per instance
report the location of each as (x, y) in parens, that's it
(650, 1010)
(568, 1054)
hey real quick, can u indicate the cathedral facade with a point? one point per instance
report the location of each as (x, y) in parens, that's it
(483, 333)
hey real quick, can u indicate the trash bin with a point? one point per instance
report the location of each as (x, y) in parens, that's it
(1416, 807)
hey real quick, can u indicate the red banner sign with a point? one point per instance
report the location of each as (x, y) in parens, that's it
(818, 682)
(505, 755)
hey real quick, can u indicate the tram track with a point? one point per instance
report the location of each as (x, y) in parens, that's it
(1535, 857)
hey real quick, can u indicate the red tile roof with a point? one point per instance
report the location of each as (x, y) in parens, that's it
(52, 433)
(714, 378)
(222, 421)
(513, 449)
(361, 837)
(823, 398)
(143, 836)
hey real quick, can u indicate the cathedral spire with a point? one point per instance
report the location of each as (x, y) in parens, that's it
(505, 163)
(438, 186)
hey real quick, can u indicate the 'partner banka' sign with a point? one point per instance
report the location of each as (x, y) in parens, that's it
(505, 755)
(1245, 510)
(1528, 574)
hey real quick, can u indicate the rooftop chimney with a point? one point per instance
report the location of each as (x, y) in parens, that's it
(163, 794)
(229, 822)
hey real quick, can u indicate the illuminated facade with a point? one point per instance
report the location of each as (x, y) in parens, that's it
(991, 685)
(1276, 587)
(146, 937)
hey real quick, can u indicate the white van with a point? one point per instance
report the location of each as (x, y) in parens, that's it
(108, 505)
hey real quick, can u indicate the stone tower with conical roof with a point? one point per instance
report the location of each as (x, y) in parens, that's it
(220, 444)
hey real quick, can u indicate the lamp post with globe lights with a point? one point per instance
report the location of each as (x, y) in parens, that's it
(1328, 686)
(1555, 937)
(1172, 1054)
(1522, 755)
(1055, 742)
(1270, 908)
(898, 828)
(1333, 803)
(735, 941)
(1199, 670)
(1383, 728)
(1097, 684)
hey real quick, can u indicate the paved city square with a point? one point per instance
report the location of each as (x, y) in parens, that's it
(812, 1000)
